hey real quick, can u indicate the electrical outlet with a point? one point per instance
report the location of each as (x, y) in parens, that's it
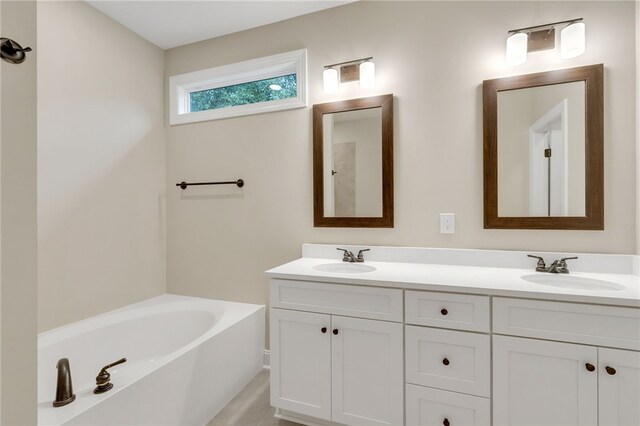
(447, 223)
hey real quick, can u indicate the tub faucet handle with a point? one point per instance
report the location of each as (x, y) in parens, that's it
(103, 378)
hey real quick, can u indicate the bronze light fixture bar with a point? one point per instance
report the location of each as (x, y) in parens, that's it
(545, 26)
(239, 183)
(355, 61)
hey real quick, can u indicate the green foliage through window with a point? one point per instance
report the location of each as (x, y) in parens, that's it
(246, 93)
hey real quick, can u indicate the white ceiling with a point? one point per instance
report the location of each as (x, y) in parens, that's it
(174, 23)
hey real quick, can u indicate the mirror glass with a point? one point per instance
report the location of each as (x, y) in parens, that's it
(541, 151)
(352, 142)
(353, 163)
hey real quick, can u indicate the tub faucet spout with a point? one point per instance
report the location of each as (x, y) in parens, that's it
(64, 388)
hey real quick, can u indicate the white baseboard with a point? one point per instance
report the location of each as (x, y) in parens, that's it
(266, 359)
(302, 419)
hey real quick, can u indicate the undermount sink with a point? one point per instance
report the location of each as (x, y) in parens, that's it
(572, 282)
(344, 268)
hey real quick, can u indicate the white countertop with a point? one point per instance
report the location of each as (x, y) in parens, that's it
(467, 279)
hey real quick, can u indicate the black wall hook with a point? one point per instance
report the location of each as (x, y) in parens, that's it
(12, 52)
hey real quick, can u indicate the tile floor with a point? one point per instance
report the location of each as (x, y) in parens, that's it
(250, 407)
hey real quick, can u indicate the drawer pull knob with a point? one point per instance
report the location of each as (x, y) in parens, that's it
(445, 422)
(590, 367)
(445, 361)
(323, 329)
(443, 311)
(335, 331)
(610, 370)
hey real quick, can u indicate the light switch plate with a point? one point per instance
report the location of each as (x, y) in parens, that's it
(447, 223)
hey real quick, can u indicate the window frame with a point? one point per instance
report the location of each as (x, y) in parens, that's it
(181, 86)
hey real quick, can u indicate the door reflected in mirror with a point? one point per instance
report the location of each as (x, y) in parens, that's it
(541, 151)
(352, 142)
(353, 163)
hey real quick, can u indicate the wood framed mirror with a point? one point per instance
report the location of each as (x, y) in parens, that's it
(543, 150)
(353, 163)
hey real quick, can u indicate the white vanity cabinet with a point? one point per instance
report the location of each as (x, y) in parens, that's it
(546, 382)
(354, 352)
(343, 369)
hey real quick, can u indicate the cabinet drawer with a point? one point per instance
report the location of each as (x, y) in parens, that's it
(348, 300)
(431, 407)
(459, 311)
(451, 360)
(568, 322)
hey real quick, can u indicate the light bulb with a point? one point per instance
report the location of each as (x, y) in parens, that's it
(330, 81)
(572, 40)
(367, 75)
(517, 49)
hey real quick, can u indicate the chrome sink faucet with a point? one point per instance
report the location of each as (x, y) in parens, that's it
(350, 257)
(556, 267)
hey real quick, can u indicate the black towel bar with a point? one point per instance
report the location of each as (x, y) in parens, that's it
(238, 182)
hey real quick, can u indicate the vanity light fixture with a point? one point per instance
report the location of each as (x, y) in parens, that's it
(542, 37)
(360, 69)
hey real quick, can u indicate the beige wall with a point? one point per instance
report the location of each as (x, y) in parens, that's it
(18, 253)
(433, 56)
(101, 165)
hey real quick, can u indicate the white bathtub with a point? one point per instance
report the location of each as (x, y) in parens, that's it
(186, 359)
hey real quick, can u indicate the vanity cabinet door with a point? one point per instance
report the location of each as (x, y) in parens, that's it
(301, 362)
(538, 382)
(619, 387)
(368, 380)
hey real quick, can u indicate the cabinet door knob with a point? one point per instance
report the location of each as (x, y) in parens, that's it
(590, 367)
(445, 361)
(335, 331)
(610, 370)
(443, 311)
(323, 329)
(445, 422)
